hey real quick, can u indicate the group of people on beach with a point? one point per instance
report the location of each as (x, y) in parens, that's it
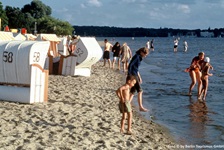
(198, 71)
(121, 54)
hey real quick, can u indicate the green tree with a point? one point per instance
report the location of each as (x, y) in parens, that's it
(28, 22)
(51, 25)
(19, 20)
(37, 9)
(14, 15)
(3, 16)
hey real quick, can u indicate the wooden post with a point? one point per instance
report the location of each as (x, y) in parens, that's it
(46, 86)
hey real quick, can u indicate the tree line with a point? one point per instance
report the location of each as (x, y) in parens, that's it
(106, 31)
(34, 14)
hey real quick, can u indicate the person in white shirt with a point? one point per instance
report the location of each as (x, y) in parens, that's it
(185, 46)
(175, 45)
(147, 45)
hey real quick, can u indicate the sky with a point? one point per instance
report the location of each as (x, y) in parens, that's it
(176, 14)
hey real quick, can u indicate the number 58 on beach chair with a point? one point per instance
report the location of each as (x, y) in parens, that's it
(22, 77)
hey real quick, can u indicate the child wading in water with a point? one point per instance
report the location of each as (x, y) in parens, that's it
(123, 93)
(205, 74)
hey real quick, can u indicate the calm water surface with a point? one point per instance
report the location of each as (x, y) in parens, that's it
(166, 85)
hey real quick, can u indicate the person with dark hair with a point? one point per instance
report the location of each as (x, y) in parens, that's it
(116, 55)
(123, 93)
(133, 69)
(152, 45)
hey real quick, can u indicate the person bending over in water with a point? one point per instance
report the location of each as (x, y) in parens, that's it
(123, 93)
(205, 74)
(195, 73)
(133, 68)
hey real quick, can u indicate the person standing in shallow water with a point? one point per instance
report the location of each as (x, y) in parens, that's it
(133, 69)
(205, 74)
(195, 72)
(106, 54)
(152, 45)
(147, 45)
(175, 45)
(185, 46)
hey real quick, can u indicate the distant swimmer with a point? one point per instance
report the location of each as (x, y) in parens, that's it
(152, 45)
(185, 46)
(147, 45)
(175, 45)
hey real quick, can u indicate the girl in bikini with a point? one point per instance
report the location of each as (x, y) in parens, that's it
(195, 72)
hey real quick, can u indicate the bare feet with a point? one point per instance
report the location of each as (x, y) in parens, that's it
(143, 109)
(189, 94)
(122, 131)
(129, 133)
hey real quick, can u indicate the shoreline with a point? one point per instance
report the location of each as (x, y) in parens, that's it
(81, 113)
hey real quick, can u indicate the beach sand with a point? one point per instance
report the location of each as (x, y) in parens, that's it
(81, 113)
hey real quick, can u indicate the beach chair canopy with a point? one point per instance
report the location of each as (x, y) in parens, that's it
(6, 36)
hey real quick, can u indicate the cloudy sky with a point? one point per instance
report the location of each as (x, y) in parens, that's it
(177, 14)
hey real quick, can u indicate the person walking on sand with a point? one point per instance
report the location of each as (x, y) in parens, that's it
(185, 46)
(175, 45)
(106, 54)
(126, 54)
(133, 69)
(205, 74)
(116, 55)
(123, 93)
(195, 73)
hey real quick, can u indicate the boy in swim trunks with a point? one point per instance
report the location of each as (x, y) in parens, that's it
(106, 54)
(123, 93)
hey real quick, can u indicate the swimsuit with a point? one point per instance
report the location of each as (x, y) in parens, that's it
(125, 107)
(106, 55)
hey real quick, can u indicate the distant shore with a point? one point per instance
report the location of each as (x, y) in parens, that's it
(81, 113)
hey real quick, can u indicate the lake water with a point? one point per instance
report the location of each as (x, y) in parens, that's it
(166, 85)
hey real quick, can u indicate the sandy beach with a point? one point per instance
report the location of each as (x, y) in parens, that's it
(81, 113)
